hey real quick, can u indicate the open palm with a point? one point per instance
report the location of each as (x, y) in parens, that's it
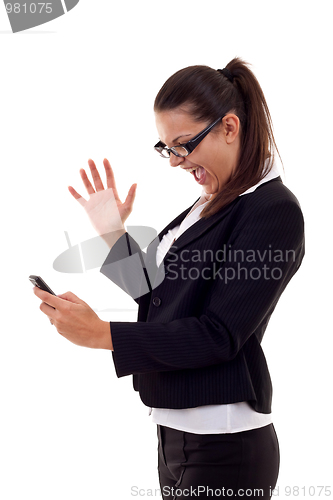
(104, 208)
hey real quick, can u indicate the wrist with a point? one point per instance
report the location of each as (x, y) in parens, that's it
(112, 237)
(103, 337)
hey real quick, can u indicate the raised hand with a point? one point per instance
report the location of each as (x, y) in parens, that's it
(104, 208)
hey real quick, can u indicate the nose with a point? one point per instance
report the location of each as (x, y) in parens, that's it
(175, 160)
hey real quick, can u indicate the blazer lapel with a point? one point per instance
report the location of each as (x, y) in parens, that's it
(152, 247)
(197, 229)
(200, 227)
(178, 220)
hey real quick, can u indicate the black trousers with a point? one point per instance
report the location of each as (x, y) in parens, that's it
(218, 465)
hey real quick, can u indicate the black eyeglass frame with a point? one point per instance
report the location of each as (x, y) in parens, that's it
(188, 146)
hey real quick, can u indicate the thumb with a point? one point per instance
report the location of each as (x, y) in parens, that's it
(130, 197)
(71, 297)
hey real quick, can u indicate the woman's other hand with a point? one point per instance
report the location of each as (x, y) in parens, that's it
(75, 320)
(104, 208)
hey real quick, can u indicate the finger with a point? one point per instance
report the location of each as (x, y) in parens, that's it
(48, 311)
(95, 175)
(110, 180)
(52, 301)
(86, 182)
(128, 203)
(71, 297)
(77, 196)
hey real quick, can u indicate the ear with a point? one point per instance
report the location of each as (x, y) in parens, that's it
(231, 127)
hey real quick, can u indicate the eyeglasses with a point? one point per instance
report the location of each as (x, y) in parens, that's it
(184, 149)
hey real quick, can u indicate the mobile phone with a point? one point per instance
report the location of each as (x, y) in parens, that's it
(38, 281)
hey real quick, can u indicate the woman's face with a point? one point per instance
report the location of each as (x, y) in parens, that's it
(217, 154)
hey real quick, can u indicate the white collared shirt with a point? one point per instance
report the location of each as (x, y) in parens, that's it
(209, 419)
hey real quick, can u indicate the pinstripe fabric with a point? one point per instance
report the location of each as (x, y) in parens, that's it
(197, 339)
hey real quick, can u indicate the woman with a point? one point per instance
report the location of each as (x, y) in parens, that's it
(206, 287)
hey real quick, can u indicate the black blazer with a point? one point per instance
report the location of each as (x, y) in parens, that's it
(203, 314)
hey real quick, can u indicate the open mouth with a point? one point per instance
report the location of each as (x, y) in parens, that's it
(199, 173)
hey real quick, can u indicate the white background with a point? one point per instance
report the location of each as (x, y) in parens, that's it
(83, 86)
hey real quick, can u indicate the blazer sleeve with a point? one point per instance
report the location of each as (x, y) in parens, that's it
(125, 266)
(237, 305)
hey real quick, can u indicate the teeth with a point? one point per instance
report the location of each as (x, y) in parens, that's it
(191, 169)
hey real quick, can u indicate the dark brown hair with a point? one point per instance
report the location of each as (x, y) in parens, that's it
(207, 94)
